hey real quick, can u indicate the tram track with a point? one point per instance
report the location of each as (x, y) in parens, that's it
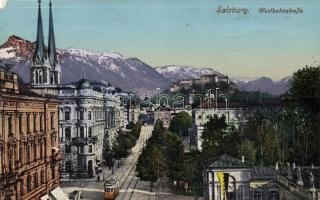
(127, 179)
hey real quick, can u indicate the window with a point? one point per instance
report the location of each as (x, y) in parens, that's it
(257, 195)
(68, 133)
(81, 132)
(28, 123)
(41, 149)
(29, 183)
(67, 149)
(41, 121)
(90, 148)
(42, 177)
(89, 115)
(34, 151)
(11, 157)
(89, 132)
(52, 121)
(81, 115)
(35, 123)
(67, 115)
(273, 195)
(10, 128)
(35, 180)
(20, 153)
(28, 153)
(20, 124)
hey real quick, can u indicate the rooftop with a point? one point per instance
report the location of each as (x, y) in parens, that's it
(226, 161)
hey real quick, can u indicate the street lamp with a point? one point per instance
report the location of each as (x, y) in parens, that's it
(217, 98)
(225, 99)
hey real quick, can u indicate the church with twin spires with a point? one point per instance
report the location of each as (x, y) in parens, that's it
(45, 72)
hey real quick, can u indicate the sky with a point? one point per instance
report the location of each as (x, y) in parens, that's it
(180, 32)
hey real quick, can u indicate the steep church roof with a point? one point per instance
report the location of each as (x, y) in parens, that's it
(52, 55)
(39, 54)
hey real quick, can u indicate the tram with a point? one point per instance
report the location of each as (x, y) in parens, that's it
(111, 188)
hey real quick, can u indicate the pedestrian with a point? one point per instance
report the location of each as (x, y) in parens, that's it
(98, 178)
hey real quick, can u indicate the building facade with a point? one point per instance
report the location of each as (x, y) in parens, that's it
(88, 115)
(226, 177)
(164, 116)
(201, 116)
(29, 142)
(87, 125)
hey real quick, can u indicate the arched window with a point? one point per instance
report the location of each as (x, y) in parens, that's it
(51, 78)
(40, 77)
(37, 77)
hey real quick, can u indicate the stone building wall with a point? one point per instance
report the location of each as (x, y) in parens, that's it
(29, 146)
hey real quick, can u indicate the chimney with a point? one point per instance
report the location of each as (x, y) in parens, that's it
(242, 159)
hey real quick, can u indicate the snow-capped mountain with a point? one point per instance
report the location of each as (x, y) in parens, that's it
(178, 72)
(130, 74)
(127, 73)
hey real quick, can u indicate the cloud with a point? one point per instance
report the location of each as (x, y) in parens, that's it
(3, 4)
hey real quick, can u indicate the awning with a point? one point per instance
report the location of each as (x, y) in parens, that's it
(45, 197)
(58, 194)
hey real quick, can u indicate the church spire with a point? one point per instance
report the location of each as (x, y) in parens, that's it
(39, 54)
(51, 43)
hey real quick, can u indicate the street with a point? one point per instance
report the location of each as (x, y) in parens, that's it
(92, 189)
(131, 188)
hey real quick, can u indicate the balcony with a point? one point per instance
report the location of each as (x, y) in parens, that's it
(84, 141)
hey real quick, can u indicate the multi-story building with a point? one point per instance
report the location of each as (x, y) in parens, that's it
(87, 125)
(164, 116)
(201, 116)
(89, 112)
(29, 142)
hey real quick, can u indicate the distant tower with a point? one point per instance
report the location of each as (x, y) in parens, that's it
(45, 73)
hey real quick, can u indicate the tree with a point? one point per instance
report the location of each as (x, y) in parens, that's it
(304, 96)
(260, 129)
(192, 171)
(151, 164)
(305, 89)
(175, 156)
(248, 150)
(213, 135)
(180, 123)
(121, 144)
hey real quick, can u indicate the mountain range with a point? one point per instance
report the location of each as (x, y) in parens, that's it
(263, 84)
(130, 74)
